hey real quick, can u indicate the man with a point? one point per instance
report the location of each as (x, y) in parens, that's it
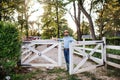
(67, 39)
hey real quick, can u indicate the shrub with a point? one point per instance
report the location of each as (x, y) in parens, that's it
(113, 41)
(9, 47)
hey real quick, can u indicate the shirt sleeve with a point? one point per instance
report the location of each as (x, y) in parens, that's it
(73, 39)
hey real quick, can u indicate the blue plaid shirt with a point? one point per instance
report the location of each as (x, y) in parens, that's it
(67, 40)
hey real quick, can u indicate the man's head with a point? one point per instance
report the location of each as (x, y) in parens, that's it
(66, 33)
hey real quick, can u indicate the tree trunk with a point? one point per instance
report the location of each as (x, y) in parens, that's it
(89, 19)
(101, 27)
(77, 21)
(101, 30)
(26, 20)
(57, 19)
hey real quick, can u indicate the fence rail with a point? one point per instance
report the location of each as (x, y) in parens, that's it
(113, 56)
(80, 48)
(113, 47)
(30, 53)
(113, 64)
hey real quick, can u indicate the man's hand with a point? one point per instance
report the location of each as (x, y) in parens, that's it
(77, 42)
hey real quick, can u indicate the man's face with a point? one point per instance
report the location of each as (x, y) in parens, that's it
(66, 33)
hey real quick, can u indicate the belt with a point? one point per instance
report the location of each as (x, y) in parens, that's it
(66, 48)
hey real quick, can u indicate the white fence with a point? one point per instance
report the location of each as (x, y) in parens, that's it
(85, 50)
(30, 53)
(113, 56)
(80, 48)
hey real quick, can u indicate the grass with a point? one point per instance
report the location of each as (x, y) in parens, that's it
(88, 74)
(22, 76)
(53, 74)
(67, 77)
(55, 70)
(62, 74)
(113, 72)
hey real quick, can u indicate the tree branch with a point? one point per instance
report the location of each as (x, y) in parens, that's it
(71, 15)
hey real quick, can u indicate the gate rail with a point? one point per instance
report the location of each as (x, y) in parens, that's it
(29, 49)
(81, 49)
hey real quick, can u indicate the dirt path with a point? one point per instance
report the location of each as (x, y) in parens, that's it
(53, 54)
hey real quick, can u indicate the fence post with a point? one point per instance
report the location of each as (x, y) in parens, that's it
(84, 46)
(71, 58)
(59, 54)
(104, 48)
(102, 52)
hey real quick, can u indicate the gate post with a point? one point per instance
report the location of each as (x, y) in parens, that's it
(71, 58)
(84, 46)
(59, 54)
(104, 49)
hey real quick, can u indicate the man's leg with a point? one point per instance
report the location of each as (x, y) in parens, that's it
(66, 55)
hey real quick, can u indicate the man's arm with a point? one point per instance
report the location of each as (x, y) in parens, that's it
(73, 40)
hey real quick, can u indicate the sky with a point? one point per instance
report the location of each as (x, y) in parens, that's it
(70, 21)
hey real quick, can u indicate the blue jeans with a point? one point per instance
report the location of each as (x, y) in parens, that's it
(66, 55)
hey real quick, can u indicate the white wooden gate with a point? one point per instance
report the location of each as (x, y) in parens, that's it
(30, 53)
(82, 49)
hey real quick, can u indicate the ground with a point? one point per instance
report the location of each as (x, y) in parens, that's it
(61, 74)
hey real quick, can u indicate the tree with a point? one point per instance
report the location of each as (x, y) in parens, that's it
(80, 8)
(76, 19)
(24, 14)
(64, 26)
(7, 9)
(49, 33)
(52, 22)
(88, 17)
(108, 21)
(57, 18)
(84, 27)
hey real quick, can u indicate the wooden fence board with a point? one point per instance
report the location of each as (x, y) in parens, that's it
(113, 56)
(113, 47)
(113, 64)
